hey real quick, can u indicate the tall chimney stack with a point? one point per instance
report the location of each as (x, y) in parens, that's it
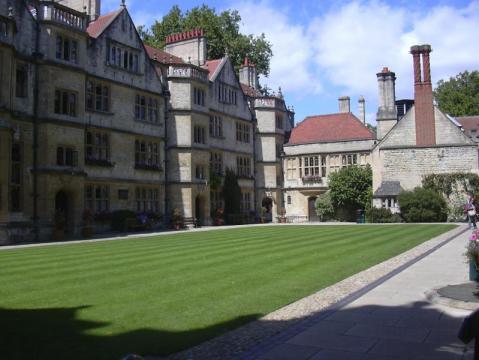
(248, 75)
(362, 109)
(344, 104)
(423, 98)
(386, 116)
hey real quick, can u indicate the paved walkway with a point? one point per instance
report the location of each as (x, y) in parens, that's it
(394, 321)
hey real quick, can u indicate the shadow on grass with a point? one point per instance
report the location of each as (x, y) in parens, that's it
(59, 334)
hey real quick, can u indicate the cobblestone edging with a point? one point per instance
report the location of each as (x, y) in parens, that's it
(250, 339)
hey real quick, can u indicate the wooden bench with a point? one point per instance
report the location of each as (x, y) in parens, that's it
(188, 221)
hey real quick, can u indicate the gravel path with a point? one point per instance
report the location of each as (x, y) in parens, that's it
(233, 344)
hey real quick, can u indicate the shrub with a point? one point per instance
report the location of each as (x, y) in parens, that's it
(324, 206)
(382, 215)
(118, 219)
(422, 205)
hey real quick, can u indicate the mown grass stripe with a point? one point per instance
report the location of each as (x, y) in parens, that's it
(182, 288)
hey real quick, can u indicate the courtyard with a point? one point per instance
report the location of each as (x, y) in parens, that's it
(162, 294)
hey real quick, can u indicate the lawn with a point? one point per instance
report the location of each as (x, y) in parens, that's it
(158, 295)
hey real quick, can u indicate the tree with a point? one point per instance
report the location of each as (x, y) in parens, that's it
(324, 206)
(459, 96)
(351, 187)
(231, 194)
(222, 31)
(422, 205)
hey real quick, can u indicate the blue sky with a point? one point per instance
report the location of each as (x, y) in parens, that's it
(326, 49)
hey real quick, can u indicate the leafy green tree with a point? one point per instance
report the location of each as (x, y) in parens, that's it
(222, 31)
(459, 96)
(324, 206)
(422, 205)
(351, 187)
(231, 194)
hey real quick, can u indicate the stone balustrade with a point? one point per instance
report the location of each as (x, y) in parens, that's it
(51, 11)
(187, 71)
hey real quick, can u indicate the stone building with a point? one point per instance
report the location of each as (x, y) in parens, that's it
(274, 122)
(82, 118)
(318, 146)
(425, 141)
(91, 118)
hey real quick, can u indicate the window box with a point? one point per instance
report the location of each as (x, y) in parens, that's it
(99, 162)
(312, 178)
(149, 167)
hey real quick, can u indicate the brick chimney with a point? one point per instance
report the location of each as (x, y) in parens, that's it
(344, 104)
(248, 75)
(188, 45)
(423, 98)
(386, 116)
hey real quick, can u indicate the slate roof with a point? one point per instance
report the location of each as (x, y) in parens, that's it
(388, 188)
(96, 28)
(330, 128)
(162, 56)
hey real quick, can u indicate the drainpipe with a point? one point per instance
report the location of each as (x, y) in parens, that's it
(167, 95)
(255, 123)
(36, 57)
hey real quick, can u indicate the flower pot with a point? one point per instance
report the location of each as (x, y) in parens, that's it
(473, 275)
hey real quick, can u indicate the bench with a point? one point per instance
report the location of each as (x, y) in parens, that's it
(190, 221)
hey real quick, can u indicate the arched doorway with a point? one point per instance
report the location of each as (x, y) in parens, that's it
(267, 203)
(62, 210)
(312, 209)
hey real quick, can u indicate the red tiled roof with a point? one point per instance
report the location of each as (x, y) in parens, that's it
(97, 27)
(162, 56)
(249, 91)
(468, 122)
(330, 128)
(212, 66)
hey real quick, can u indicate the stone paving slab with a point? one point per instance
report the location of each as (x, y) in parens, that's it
(397, 324)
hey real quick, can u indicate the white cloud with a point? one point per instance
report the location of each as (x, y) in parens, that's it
(290, 65)
(340, 52)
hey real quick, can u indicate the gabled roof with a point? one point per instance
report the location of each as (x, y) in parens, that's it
(213, 67)
(162, 56)
(330, 128)
(388, 188)
(96, 28)
(469, 122)
(249, 91)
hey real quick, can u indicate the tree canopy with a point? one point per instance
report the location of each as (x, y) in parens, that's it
(222, 32)
(351, 187)
(459, 96)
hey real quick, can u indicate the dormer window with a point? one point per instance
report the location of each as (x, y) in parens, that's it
(66, 49)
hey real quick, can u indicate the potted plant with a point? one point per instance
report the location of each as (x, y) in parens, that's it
(282, 215)
(262, 214)
(472, 254)
(177, 219)
(219, 217)
(59, 221)
(87, 229)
